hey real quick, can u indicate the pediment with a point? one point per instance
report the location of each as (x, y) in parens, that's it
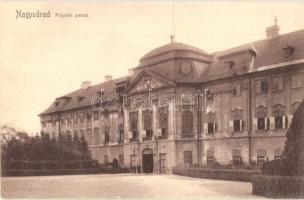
(148, 80)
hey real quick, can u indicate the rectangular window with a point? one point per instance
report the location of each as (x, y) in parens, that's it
(236, 160)
(163, 132)
(297, 80)
(121, 135)
(133, 160)
(278, 122)
(96, 115)
(264, 86)
(237, 125)
(277, 157)
(162, 162)
(188, 158)
(134, 134)
(149, 133)
(261, 124)
(260, 160)
(210, 160)
(277, 83)
(121, 160)
(107, 137)
(106, 159)
(211, 128)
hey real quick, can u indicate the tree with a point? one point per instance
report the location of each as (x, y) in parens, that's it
(293, 155)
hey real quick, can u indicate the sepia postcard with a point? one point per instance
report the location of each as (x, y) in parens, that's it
(152, 99)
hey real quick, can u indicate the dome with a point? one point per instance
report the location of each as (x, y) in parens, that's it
(171, 51)
(172, 47)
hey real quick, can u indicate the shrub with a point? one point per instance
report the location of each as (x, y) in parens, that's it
(220, 174)
(278, 186)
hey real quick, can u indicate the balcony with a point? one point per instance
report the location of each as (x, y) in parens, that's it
(147, 139)
(163, 137)
(133, 139)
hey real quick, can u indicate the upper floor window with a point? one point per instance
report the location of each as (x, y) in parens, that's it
(297, 80)
(236, 124)
(279, 120)
(187, 102)
(277, 83)
(260, 122)
(107, 135)
(96, 115)
(163, 123)
(148, 123)
(187, 123)
(288, 51)
(261, 86)
(236, 91)
(96, 136)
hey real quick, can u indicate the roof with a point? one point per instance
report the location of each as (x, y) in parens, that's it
(71, 100)
(267, 52)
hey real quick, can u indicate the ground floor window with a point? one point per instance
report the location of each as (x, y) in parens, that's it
(260, 160)
(210, 160)
(162, 162)
(133, 160)
(277, 157)
(236, 160)
(121, 160)
(106, 159)
(188, 158)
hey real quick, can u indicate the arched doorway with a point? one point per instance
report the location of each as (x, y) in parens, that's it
(147, 161)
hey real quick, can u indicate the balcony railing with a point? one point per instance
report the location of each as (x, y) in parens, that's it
(147, 138)
(133, 140)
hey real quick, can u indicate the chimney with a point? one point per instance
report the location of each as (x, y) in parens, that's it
(108, 78)
(273, 31)
(85, 84)
(130, 71)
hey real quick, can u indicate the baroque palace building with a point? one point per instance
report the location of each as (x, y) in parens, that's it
(182, 106)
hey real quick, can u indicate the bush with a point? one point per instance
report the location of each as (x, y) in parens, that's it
(278, 186)
(220, 174)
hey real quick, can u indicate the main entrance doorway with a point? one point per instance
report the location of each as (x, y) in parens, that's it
(147, 161)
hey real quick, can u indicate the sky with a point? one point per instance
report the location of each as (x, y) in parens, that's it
(44, 58)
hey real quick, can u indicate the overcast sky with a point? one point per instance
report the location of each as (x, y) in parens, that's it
(43, 58)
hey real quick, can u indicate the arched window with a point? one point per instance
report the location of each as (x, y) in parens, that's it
(279, 116)
(261, 120)
(163, 123)
(237, 122)
(187, 123)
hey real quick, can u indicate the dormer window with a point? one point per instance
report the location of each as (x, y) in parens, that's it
(229, 64)
(288, 51)
(56, 103)
(80, 98)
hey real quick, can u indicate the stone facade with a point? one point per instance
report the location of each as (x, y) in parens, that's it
(183, 106)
